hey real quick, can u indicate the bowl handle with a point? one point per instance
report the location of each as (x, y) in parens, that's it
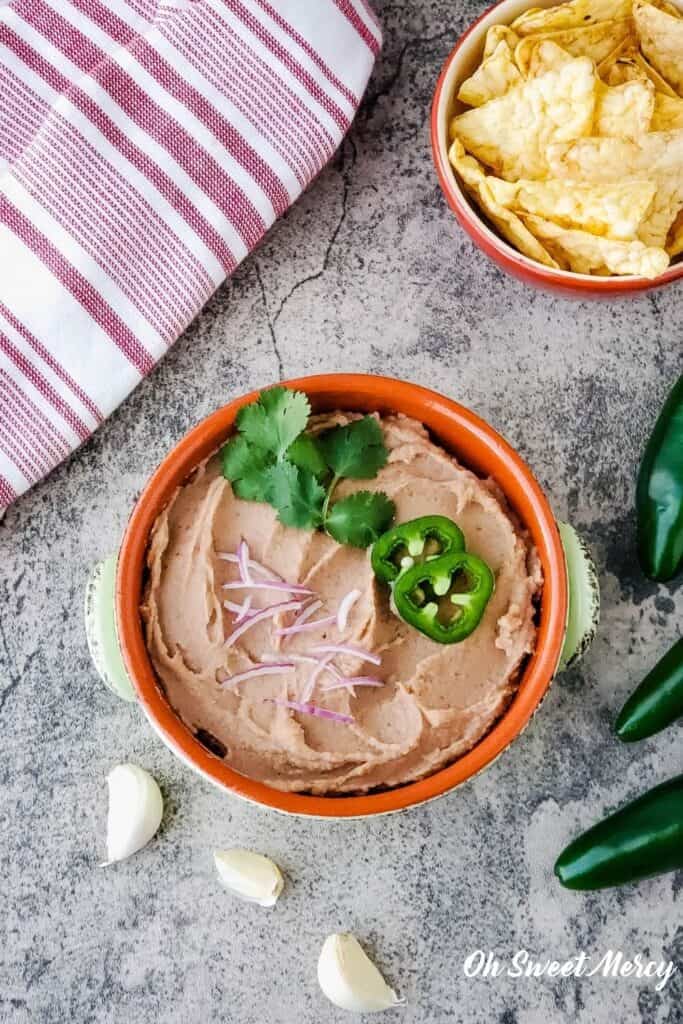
(100, 629)
(584, 597)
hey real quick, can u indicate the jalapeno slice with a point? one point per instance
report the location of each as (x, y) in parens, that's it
(414, 543)
(445, 598)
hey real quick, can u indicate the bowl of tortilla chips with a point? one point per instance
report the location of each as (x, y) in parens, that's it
(557, 134)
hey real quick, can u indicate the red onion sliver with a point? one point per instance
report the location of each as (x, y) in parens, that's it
(244, 611)
(311, 709)
(241, 611)
(291, 588)
(322, 665)
(260, 616)
(302, 627)
(305, 659)
(338, 684)
(310, 609)
(227, 556)
(243, 561)
(351, 649)
(257, 670)
(344, 609)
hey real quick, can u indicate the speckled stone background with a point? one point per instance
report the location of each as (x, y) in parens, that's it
(369, 272)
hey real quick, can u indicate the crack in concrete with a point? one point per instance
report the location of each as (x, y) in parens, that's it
(273, 337)
(346, 187)
(14, 677)
(272, 320)
(368, 107)
(654, 304)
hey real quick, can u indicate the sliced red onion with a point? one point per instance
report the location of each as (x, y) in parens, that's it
(291, 588)
(228, 556)
(243, 561)
(302, 627)
(310, 608)
(354, 650)
(260, 616)
(258, 670)
(345, 681)
(321, 667)
(311, 709)
(244, 612)
(305, 659)
(241, 611)
(344, 609)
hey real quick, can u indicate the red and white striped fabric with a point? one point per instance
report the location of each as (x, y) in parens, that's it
(145, 148)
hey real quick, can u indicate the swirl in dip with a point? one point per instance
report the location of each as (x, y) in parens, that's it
(436, 702)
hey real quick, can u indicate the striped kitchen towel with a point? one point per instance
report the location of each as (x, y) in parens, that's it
(146, 146)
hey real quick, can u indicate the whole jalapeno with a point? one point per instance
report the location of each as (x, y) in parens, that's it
(413, 543)
(642, 839)
(657, 702)
(659, 494)
(445, 598)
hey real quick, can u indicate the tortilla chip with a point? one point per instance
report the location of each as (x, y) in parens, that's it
(509, 225)
(614, 211)
(544, 56)
(596, 41)
(660, 84)
(510, 134)
(621, 110)
(585, 253)
(494, 76)
(656, 156)
(624, 110)
(622, 71)
(622, 66)
(674, 242)
(669, 8)
(626, 48)
(661, 40)
(668, 113)
(663, 212)
(576, 14)
(499, 34)
(609, 159)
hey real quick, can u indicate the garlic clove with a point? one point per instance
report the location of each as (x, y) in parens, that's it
(251, 876)
(135, 810)
(349, 978)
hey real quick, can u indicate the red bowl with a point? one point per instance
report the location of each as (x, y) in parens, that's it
(460, 63)
(480, 448)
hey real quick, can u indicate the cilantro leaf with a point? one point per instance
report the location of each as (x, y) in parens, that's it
(238, 457)
(361, 518)
(306, 453)
(275, 420)
(296, 494)
(356, 450)
(270, 459)
(253, 486)
(243, 465)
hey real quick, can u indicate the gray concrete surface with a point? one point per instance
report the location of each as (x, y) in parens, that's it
(369, 272)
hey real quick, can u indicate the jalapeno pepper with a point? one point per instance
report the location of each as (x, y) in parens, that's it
(659, 495)
(657, 702)
(413, 543)
(445, 598)
(642, 839)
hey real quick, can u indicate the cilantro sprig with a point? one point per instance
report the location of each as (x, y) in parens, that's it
(272, 459)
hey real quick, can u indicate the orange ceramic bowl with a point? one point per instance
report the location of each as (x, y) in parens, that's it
(480, 448)
(460, 63)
